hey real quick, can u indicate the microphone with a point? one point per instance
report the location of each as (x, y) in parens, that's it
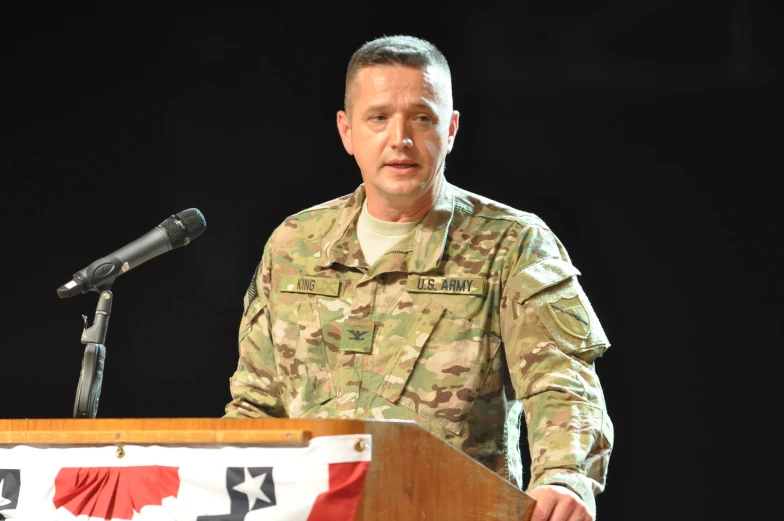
(178, 230)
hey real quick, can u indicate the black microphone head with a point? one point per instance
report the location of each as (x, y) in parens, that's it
(185, 226)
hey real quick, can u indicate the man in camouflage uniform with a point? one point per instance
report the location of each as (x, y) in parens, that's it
(464, 321)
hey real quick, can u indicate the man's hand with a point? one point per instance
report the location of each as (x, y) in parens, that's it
(556, 503)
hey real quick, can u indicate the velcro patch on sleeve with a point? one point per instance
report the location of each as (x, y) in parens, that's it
(571, 316)
(311, 285)
(540, 275)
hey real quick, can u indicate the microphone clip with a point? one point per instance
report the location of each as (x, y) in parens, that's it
(88, 391)
(98, 276)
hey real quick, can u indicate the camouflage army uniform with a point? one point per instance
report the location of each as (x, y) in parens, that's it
(473, 319)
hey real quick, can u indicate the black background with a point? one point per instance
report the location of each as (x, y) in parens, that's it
(647, 137)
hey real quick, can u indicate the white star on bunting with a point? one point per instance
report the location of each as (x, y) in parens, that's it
(252, 488)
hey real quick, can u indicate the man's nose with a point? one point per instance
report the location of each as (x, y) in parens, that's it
(400, 135)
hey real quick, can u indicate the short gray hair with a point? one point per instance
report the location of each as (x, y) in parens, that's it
(396, 50)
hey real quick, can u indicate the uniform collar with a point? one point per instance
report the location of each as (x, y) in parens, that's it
(340, 244)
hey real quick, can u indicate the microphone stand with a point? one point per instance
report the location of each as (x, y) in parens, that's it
(88, 391)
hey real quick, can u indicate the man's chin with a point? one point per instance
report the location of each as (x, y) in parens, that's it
(403, 189)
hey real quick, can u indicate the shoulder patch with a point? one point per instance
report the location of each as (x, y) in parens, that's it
(571, 316)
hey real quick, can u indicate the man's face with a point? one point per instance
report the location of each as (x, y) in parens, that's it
(400, 128)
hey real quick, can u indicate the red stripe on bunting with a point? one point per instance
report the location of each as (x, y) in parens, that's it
(339, 503)
(114, 492)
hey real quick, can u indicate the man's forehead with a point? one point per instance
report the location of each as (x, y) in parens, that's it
(379, 78)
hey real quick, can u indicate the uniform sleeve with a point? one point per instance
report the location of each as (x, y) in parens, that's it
(255, 384)
(552, 337)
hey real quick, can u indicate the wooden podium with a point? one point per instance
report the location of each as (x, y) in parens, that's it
(412, 474)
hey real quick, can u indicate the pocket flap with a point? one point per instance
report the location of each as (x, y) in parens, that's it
(540, 275)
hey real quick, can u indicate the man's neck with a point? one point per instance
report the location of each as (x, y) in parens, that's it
(392, 213)
(390, 209)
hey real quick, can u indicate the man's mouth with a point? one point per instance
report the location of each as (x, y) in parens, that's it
(400, 165)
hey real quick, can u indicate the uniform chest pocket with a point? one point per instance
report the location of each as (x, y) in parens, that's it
(301, 357)
(441, 367)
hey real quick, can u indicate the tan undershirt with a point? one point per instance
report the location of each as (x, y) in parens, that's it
(376, 237)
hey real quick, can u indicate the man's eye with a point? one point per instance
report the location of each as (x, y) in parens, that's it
(378, 117)
(424, 118)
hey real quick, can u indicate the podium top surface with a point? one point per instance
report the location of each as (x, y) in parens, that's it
(175, 430)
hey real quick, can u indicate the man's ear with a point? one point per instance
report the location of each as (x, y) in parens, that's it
(453, 124)
(344, 128)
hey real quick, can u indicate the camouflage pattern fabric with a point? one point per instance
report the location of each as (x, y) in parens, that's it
(474, 318)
